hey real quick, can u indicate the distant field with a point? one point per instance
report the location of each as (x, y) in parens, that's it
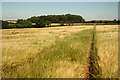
(58, 52)
(12, 21)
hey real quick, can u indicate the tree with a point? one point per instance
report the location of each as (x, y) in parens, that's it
(24, 23)
(48, 23)
(43, 21)
(40, 24)
(62, 23)
(5, 25)
(33, 19)
(114, 20)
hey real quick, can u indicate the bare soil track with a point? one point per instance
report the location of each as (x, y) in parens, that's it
(94, 70)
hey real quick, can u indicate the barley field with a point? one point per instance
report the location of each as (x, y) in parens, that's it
(58, 52)
(107, 45)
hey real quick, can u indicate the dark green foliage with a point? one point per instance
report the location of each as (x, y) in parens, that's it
(12, 26)
(33, 19)
(62, 23)
(0, 24)
(5, 25)
(48, 23)
(104, 21)
(40, 24)
(23, 23)
(43, 21)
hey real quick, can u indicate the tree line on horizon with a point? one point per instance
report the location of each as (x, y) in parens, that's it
(45, 21)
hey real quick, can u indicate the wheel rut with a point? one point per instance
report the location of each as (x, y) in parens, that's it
(93, 69)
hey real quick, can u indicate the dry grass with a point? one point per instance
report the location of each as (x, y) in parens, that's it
(69, 69)
(107, 28)
(24, 42)
(12, 21)
(55, 24)
(107, 44)
(48, 52)
(20, 45)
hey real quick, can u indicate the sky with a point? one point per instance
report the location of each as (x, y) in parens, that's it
(60, 0)
(88, 10)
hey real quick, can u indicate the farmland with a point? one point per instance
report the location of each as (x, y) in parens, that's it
(107, 43)
(59, 52)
